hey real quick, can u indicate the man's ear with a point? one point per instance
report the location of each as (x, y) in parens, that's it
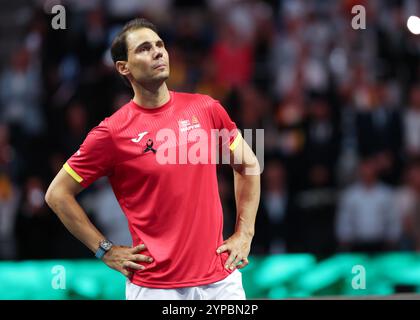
(122, 67)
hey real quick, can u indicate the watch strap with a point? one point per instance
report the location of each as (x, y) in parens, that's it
(100, 253)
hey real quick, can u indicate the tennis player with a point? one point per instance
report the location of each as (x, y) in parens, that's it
(173, 210)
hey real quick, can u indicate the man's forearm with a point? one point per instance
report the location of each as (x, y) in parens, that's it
(75, 220)
(247, 197)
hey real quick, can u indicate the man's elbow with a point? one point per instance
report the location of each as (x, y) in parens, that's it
(50, 195)
(53, 196)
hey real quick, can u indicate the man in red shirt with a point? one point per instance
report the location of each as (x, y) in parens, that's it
(158, 153)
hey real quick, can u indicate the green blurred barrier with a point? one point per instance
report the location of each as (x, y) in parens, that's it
(272, 277)
(81, 279)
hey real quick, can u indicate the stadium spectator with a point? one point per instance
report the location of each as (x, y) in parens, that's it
(367, 220)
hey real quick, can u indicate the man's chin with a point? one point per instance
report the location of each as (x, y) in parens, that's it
(165, 75)
(156, 80)
(162, 77)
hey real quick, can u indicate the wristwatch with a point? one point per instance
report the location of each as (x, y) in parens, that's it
(104, 247)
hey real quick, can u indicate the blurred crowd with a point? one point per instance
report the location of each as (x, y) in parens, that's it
(340, 108)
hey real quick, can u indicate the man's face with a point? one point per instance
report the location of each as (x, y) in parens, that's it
(148, 60)
(368, 172)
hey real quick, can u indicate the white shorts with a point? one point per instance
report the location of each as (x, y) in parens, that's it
(229, 288)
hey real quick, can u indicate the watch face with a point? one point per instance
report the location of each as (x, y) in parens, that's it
(106, 245)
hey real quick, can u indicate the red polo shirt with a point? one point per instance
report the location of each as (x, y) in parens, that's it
(173, 208)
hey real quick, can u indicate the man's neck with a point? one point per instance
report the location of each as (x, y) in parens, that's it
(151, 97)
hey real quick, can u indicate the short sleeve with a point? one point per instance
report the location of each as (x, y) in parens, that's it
(223, 122)
(95, 157)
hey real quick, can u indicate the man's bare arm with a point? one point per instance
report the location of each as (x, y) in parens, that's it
(247, 197)
(61, 197)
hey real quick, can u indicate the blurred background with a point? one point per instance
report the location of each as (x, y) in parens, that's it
(340, 108)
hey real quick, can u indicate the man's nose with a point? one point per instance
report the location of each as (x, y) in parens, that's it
(158, 53)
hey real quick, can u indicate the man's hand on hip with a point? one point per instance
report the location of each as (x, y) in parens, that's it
(124, 259)
(238, 245)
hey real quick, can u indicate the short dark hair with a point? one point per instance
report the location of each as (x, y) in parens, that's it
(119, 50)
